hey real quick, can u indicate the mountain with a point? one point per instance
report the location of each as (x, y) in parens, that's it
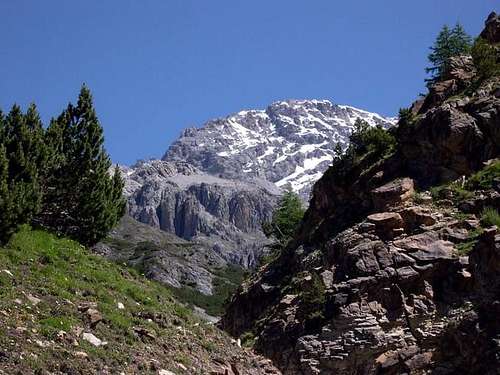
(290, 144)
(395, 268)
(216, 185)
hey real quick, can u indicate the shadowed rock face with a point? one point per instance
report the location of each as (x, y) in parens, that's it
(374, 282)
(224, 215)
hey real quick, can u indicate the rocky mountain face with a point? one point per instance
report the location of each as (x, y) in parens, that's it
(290, 144)
(224, 214)
(384, 277)
(217, 184)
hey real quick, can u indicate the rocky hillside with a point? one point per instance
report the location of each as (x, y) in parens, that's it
(395, 267)
(65, 311)
(291, 143)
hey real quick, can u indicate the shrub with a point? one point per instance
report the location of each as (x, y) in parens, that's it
(486, 58)
(313, 298)
(490, 216)
(286, 218)
(485, 178)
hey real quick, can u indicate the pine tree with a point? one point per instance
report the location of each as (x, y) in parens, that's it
(449, 43)
(8, 221)
(286, 217)
(85, 201)
(21, 153)
(39, 151)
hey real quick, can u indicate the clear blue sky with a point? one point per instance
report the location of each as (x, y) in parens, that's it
(158, 66)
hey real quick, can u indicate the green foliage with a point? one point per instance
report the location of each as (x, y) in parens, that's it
(368, 139)
(8, 219)
(406, 117)
(449, 43)
(453, 191)
(58, 178)
(490, 216)
(465, 248)
(248, 339)
(86, 202)
(313, 298)
(225, 283)
(286, 218)
(485, 178)
(63, 274)
(486, 59)
(22, 157)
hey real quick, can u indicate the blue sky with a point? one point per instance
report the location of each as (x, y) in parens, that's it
(158, 66)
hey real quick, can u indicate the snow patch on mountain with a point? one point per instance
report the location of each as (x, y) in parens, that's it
(290, 143)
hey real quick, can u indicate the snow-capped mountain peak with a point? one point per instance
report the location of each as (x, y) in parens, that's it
(290, 143)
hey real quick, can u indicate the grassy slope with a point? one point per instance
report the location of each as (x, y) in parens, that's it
(132, 238)
(63, 275)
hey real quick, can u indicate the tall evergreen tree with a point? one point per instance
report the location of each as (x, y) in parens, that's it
(8, 220)
(85, 200)
(449, 43)
(21, 153)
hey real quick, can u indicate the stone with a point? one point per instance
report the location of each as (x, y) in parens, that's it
(407, 273)
(33, 300)
(393, 194)
(89, 337)
(94, 316)
(81, 355)
(120, 306)
(491, 32)
(386, 220)
(416, 216)
(426, 247)
(8, 273)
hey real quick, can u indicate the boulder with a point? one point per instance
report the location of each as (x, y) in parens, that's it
(87, 336)
(416, 216)
(386, 223)
(426, 247)
(392, 194)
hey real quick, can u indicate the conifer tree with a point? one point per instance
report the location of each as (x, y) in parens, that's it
(286, 217)
(86, 202)
(21, 153)
(8, 221)
(449, 43)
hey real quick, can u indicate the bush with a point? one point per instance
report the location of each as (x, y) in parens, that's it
(286, 218)
(485, 178)
(486, 59)
(490, 217)
(453, 191)
(313, 298)
(376, 140)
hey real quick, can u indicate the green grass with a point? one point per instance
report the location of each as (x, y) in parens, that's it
(466, 247)
(485, 178)
(225, 283)
(63, 275)
(452, 191)
(490, 216)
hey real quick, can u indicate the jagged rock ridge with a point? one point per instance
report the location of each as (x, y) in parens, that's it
(291, 143)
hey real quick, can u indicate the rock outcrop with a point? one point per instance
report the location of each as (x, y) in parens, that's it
(379, 279)
(223, 215)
